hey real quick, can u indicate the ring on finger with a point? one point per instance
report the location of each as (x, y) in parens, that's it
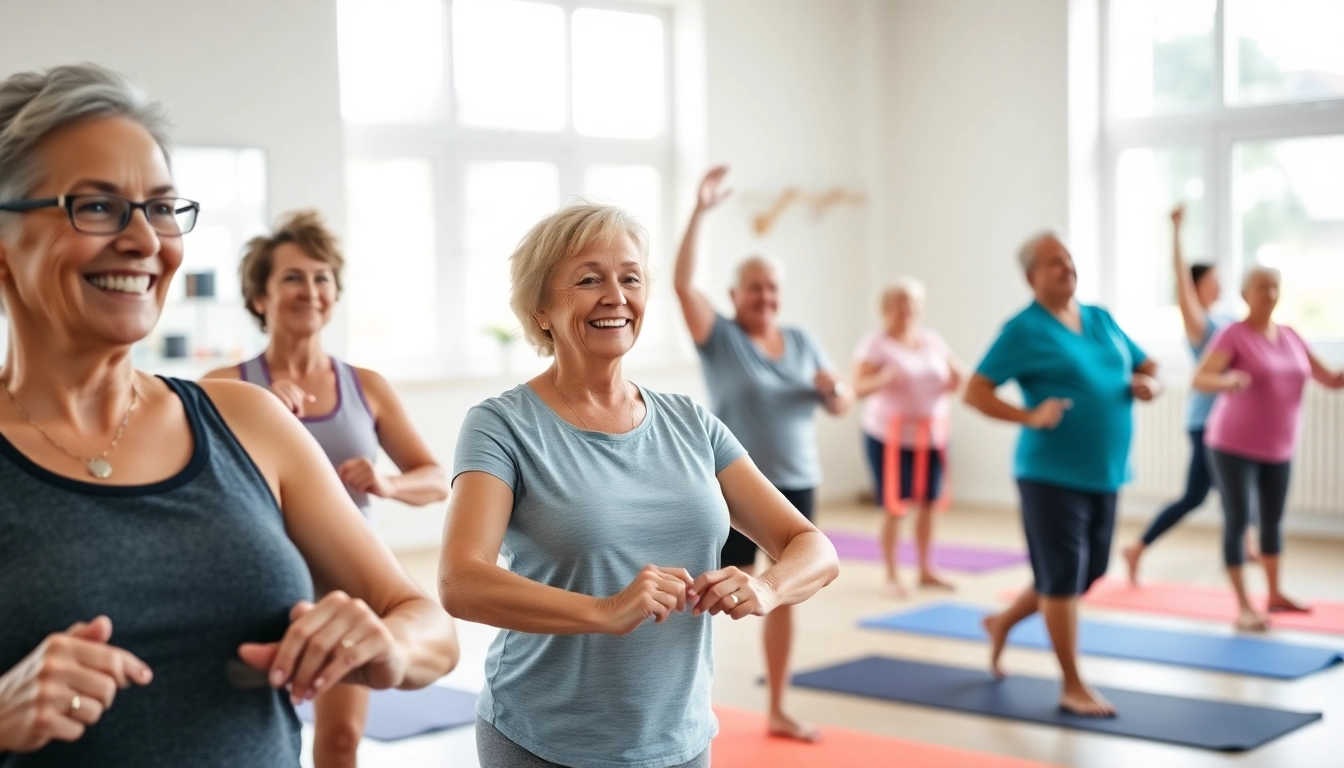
(734, 599)
(76, 703)
(347, 643)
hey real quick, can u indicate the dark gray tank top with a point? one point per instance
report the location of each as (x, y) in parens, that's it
(348, 432)
(187, 569)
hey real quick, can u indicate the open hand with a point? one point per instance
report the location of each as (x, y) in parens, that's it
(340, 639)
(293, 396)
(712, 190)
(1049, 413)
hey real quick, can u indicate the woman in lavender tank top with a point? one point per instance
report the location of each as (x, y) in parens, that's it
(291, 281)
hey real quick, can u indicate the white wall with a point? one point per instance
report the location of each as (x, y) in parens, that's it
(971, 157)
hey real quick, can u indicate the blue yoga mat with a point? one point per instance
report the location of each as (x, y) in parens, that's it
(397, 715)
(1220, 653)
(1189, 722)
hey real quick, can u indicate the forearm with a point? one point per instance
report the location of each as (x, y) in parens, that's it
(487, 594)
(807, 564)
(429, 638)
(1211, 382)
(987, 401)
(867, 385)
(683, 278)
(420, 486)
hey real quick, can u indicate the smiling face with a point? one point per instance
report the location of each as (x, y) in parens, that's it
(756, 296)
(99, 289)
(900, 311)
(595, 300)
(300, 293)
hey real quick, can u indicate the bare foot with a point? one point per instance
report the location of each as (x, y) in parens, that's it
(785, 726)
(1086, 702)
(895, 590)
(1132, 553)
(1283, 604)
(998, 637)
(931, 579)
(1249, 620)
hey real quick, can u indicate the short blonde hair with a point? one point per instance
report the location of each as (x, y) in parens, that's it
(562, 234)
(910, 287)
(304, 229)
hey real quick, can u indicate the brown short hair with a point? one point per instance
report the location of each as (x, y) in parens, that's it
(303, 228)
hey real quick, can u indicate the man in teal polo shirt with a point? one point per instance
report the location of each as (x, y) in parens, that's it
(1079, 375)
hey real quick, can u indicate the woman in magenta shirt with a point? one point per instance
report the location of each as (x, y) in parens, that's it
(905, 372)
(1259, 369)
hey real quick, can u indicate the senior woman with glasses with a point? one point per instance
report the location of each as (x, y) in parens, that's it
(160, 538)
(1079, 375)
(609, 503)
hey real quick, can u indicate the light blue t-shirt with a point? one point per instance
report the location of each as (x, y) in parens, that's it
(1202, 402)
(768, 404)
(591, 509)
(1089, 449)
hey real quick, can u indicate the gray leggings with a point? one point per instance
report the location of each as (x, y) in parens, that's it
(1247, 485)
(495, 750)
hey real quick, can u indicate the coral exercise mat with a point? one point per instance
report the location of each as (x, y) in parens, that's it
(1216, 603)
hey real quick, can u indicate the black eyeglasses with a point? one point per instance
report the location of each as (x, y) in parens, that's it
(104, 214)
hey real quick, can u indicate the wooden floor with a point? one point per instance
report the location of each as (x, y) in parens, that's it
(826, 633)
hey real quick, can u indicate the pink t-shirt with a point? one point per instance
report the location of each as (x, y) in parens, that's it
(919, 391)
(1262, 422)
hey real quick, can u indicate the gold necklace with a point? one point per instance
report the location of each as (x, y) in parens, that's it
(98, 466)
(629, 404)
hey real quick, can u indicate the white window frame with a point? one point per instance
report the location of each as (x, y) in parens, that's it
(1216, 132)
(451, 147)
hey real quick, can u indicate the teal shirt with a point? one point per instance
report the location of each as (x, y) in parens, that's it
(1089, 449)
(1202, 402)
(591, 509)
(770, 405)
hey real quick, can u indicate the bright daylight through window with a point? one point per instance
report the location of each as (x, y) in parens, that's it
(466, 122)
(1236, 110)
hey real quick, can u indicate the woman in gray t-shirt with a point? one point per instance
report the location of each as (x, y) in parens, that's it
(609, 504)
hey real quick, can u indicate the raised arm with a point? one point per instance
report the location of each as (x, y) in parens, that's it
(1193, 315)
(695, 305)
(805, 560)
(474, 587)
(374, 627)
(422, 481)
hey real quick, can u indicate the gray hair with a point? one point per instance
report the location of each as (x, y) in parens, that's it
(769, 262)
(1026, 255)
(1257, 271)
(555, 238)
(35, 104)
(910, 287)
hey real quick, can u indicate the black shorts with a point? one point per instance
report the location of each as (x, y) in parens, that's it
(741, 551)
(933, 471)
(1068, 536)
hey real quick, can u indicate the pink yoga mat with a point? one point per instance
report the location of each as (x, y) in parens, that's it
(1207, 603)
(952, 557)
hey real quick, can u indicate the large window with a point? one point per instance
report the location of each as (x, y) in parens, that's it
(466, 122)
(1234, 108)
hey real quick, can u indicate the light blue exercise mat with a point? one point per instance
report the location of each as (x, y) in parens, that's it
(1235, 654)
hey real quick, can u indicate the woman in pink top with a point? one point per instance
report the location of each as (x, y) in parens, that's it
(905, 372)
(1259, 369)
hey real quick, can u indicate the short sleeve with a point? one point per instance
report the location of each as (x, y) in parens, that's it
(1136, 353)
(726, 447)
(1005, 359)
(1225, 341)
(486, 444)
(717, 342)
(869, 350)
(815, 351)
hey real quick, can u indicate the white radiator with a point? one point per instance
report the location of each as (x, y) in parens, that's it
(1162, 451)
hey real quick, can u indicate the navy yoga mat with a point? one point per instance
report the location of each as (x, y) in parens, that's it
(1220, 653)
(402, 714)
(1189, 722)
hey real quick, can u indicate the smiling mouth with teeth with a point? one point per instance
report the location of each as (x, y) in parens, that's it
(616, 323)
(133, 284)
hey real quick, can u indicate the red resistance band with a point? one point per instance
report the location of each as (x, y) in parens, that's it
(891, 465)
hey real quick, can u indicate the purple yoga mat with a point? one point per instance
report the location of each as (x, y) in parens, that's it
(951, 557)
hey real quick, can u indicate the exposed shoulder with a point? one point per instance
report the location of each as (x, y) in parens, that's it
(227, 372)
(376, 389)
(242, 401)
